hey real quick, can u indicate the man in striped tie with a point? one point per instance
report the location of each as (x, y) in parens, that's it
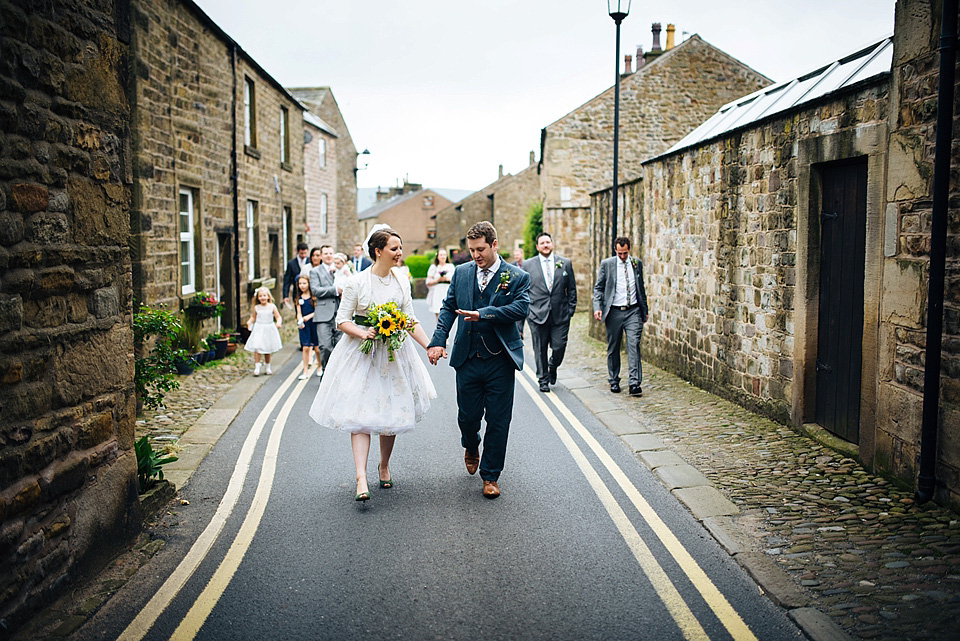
(620, 301)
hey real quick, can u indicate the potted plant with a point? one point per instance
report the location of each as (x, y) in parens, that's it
(200, 307)
(156, 333)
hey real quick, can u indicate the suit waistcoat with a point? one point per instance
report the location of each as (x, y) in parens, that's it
(482, 337)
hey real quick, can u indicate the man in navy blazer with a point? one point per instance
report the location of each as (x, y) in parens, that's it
(360, 262)
(490, 296)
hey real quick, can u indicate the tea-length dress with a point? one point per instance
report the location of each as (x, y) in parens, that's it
(367, 392)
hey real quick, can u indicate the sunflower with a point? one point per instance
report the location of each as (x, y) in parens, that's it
(387, 326)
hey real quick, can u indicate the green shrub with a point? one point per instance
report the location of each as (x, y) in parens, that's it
(418, 264)
(155, 372)
(531, 227)
(149, 464)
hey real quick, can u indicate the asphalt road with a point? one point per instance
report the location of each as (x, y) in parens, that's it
(584, 543)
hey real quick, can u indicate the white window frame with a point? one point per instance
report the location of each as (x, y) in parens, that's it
(189, 261)
(284, 151)
(322, 144)
(251, 245)
(323, 215)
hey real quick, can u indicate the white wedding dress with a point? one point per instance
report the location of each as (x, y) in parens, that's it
(366, 392)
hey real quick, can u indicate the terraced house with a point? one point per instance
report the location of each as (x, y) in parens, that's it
(201, 109)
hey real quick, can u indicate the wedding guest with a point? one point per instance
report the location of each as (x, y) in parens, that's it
(264, 326)
(380, 392)
(294, 268)
(620, 301)
(328, 298)
(309, 343)
(553, 300)
(359, 261)
(438, 281)
(343, 269)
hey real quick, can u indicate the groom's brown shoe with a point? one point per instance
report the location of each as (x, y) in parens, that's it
(491, 490)
(472, 460)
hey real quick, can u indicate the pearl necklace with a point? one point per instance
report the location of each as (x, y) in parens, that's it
(383, 280)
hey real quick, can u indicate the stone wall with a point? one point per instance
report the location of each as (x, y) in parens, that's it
(320, 101)
(188, 104)
(264, 178)
(913, 114)
(504, 202)
(659, 104)
(321, 178)
(68, 488)
(723, 223)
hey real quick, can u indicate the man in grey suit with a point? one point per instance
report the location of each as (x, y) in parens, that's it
(553, 299)
(328, 300)
(620, 301)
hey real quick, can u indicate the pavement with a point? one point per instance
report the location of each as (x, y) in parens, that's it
(845, 552)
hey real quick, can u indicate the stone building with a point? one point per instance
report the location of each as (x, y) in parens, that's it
(343, 217)
(665, 99)
(68, 485)
(785, 244)
(200, 107)
(320, 183)
(504, 202)
(411, 213)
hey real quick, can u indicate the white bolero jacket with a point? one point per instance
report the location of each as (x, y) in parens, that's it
(357, 295)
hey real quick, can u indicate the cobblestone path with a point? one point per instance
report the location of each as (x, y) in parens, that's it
(878, 565)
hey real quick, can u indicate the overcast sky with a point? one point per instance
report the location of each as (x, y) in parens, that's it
(442, 92)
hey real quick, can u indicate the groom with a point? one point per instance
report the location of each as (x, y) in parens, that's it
(489, 296)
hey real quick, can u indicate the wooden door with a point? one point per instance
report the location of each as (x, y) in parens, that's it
(840, 337)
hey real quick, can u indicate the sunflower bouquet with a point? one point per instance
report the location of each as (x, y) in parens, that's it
(391, 324)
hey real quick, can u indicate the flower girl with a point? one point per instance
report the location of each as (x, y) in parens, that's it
(264, 327)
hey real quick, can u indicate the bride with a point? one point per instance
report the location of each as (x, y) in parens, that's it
(370, 393)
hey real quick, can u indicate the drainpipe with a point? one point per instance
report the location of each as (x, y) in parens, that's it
(236, 192)
(926, 481)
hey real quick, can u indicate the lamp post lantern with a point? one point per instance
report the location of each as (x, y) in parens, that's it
(618, 10)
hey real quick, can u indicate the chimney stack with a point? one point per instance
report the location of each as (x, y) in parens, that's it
(670, 31)
(656, 38)
(627, 65)
(501, 172)
(533, 157)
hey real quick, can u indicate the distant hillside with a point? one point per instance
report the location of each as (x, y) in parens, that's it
(367, 196)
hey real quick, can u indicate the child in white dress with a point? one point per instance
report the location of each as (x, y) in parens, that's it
(264, 326)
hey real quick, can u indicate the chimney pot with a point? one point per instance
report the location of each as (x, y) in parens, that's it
(533, 157)
(670, 31)
(640, 59)
(501, 171)
(627, 64)
(656, 38)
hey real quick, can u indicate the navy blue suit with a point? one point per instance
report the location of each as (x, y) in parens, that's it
(486, 354)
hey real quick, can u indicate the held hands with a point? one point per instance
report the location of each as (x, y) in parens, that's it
(434, 354)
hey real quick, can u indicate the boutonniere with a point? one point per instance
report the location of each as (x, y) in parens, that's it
(504, 280)
(633, 261)
(559, 264)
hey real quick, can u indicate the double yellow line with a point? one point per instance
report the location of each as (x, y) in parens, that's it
(682, 614)
(204, 604)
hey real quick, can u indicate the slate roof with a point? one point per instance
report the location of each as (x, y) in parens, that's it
(862, 66)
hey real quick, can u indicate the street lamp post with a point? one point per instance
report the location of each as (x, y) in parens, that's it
(618, 10)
